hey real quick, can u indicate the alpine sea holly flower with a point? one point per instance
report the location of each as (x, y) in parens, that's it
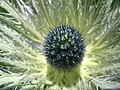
(59, 44)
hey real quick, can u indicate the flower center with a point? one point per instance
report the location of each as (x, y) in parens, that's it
(64, 48)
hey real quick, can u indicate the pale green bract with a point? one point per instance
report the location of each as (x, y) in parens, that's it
(23, 27)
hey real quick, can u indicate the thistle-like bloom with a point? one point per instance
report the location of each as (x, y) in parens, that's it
(59, 44)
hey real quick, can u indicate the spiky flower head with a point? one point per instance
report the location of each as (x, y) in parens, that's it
(64, 48)
(59, 44)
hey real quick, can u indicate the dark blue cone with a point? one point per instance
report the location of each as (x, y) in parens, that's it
(64, 48)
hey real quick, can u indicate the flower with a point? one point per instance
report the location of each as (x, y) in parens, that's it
(59, 44)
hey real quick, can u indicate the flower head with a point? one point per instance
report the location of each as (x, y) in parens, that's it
(64, 48)
(59, 44)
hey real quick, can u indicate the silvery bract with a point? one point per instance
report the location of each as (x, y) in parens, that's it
(25, 27)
